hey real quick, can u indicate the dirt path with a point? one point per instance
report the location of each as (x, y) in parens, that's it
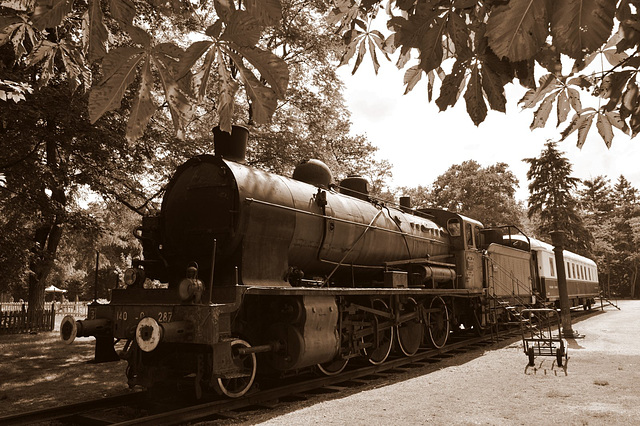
(39, 371)
(601, 387)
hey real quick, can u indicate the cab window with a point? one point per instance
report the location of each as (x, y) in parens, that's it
(476, 235)
(469, 235)
(453, 226)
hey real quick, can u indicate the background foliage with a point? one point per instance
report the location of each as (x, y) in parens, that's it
(586, 51)
(601, 220)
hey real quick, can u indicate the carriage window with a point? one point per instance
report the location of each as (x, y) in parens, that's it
(568, 269)
(573, 269)
(453, 226)
(580, 274)
(552, 267)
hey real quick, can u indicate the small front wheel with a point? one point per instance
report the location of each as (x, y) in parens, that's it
(559, 356)
(531, 355)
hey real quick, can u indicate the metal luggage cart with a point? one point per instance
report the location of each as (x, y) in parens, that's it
(538, 338)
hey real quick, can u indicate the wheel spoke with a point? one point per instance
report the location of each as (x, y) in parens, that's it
(410, 332)
(378, 354)
(438, 323)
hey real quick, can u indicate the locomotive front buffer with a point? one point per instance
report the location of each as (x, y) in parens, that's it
(97, 324)
(154, 331)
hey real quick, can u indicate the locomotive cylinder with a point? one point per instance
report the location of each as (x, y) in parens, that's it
(311, 339)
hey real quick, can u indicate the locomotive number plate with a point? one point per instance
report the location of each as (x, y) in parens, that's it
(164, 316)
(137, 314)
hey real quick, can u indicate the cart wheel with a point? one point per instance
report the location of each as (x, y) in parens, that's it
(532, 361)
(559, 356)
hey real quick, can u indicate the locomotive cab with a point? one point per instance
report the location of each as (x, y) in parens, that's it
(465, 239)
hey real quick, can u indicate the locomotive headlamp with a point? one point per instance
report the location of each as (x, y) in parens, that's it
(133, 276)
(190, 288)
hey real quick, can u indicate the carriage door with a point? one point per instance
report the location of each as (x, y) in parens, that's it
(535, 271)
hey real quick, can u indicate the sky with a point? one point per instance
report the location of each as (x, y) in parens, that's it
(422, 143)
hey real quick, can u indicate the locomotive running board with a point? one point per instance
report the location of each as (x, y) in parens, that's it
(345, 291)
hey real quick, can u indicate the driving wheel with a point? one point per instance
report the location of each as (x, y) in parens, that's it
(379, 343)
(235, 387)
(438, 326)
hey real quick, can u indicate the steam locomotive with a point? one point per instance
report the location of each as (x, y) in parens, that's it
(246, 273)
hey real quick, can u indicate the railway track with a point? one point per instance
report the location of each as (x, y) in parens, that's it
(269, 397)
(69, 412)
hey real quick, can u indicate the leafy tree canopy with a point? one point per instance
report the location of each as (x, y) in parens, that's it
(586, 48)
(483, 193)
(109, 46)
(186, 51)
(39, 191)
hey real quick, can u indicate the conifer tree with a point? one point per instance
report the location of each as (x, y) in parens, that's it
(596, 197)
(626, 237)
(597, 209)
(626, 195)
(552, 202)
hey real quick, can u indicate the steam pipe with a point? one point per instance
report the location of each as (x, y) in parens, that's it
(213, 265)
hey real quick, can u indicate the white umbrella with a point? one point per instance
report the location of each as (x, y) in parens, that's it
(54, 289)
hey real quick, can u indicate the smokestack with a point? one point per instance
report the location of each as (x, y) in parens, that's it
(231, 146)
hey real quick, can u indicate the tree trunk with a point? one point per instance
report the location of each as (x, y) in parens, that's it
(634, 282)
(47, 241)
(47, 236)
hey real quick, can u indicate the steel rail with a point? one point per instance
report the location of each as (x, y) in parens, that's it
(70, 410)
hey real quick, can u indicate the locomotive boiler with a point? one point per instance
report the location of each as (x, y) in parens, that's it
(268, 230)
(246, 273)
